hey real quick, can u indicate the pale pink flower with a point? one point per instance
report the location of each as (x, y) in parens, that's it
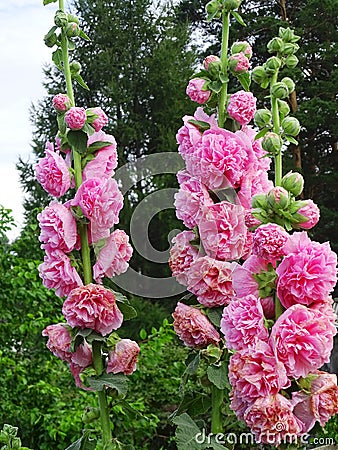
(272, 421)
(320, 404)
(239, 63)
(105, 160)
(268, 242)
(243, 323)
(193, 327)
(195, 91)
(190, 200)
(312, 214)
(102, 119)
(61, 102)
(75, 118)
(81, 359)
(124, 357)
(302, 339)
(100, 201)
(307, 273)
(182, 255)
(52, 172)
(256, 372)
(238, 404)
(209, 59)
(242, 106)
(255, 182)
(210, 280)
(59, 340)
(58, 228)
(250, 220)
(57, 273)
(113, 257)
(263, 161)
(92, 306)
(222, 230)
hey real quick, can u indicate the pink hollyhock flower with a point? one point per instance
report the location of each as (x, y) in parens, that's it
(189, 201)
(220, 159)
(210, 280)
(57, 273)
(92, 306)
(222, 230)
(239, 63)
(243, 323)
(75, 118)
(100, 201)
(318, 405)
(311, 212)
(250, 220)
(268, 242)
(255, 182)
(61, 102)
(195, 91)
(272, 421)
(101, 121)
(182, 255)
(124, 357)
(209, 59)
(193, 327)
(263, 161)
(302, 339)
(59, 340)
(81, 359)
(242, 106)
(114, 256)
(255, 372)
(105, 160)
(52, 172)
(307, 273)
(58, 228)
(238, 404)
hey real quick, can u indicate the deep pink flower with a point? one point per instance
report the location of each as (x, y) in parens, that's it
(320, 404)
(311, 212)
(61, 102)
(182, 255)
(81, 359)
(239, 63)
(242, 106)
(302, 339)
(59, 340)
(210, 280)
(256, 372)
(268, 242)
(58, 228)
(209, 59)
(57, 273)
(105, 160)
(189, 201)
(193, 327)
(114, 256)
(102, 119)
(75, 118)
(307, 273)
(101, 202)
(124, 357)
(52, 172)
(243, 323)
(195, 91)
(92, 306)
(222, 230)
(272, 421)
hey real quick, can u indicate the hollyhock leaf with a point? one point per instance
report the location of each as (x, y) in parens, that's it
(78, 140)
(192, 363)
(84, 443)
(200, 124)
(61, 123)
(46, 2)
(244, 79)
(218, 375)
(215, 86)
(194, 405)
(291, 139)
(79, 337)
(223, 77)
(215, 316)
(77, 77)
(127, 310)
(114, 381)
(202, 74)
(89, 129)
(57, 58)
(84, 36)
(238, 18)
(261, 133)
(186, 433)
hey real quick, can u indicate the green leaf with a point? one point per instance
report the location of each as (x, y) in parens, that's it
(239, 18)
(223, 77)
(202, 74)
(57, 58)
(245, 80)
(128, 311)
(186, 433)
(194, 405)
(143, 334)
(291, 139)
(61, 123)
(83, 35)
(88, 129)
(215, 86)
(215, 316)
(84, 443)
(71, 45)
(78, 140)
(218, 375)
(115, 381)
(98, 145)
(200, 124)
(261, 133)
(46, 2)
(192, 363)
(77, 77)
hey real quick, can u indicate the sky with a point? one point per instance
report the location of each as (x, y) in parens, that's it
(23, 24)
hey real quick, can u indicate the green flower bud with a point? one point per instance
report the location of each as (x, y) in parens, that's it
(259, 74)
(72, 29)
(262, 117)
(290, 84)
(279, 90)
(213, 9)
(275, 45)
(290, 49)
(60, 19)
(272, 65)
(242, 47)
(231, 5)
(291, 126)
(75, 67)
(72, 18)
(286, 34)
(272, 142)
(50, 39)
(291, 61)
(293, 182)
(278, 198)
(259, 201)
(283, 107)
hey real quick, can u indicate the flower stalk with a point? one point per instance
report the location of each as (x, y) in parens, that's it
(224, 68)
(217, 398)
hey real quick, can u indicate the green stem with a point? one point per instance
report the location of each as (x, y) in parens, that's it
(103, 404)
(217, 396)
(224, 68)
(65, 59)
(276, 129)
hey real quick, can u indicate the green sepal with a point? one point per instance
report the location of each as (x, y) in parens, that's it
(83, 35)
(78, 140)
(214, 86)
(61, 123)
(46, 2)
(245, 80)
(200, 124)
(85, 442)
(261, 133)
(223, 77)
(98, 145)
(201, 74)
(115, 381)
(88, 129)
(291, 139)
(71, 45)
(57, 58)
(238, 18)
(79, 337)
(265, 84)
(77, 77)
